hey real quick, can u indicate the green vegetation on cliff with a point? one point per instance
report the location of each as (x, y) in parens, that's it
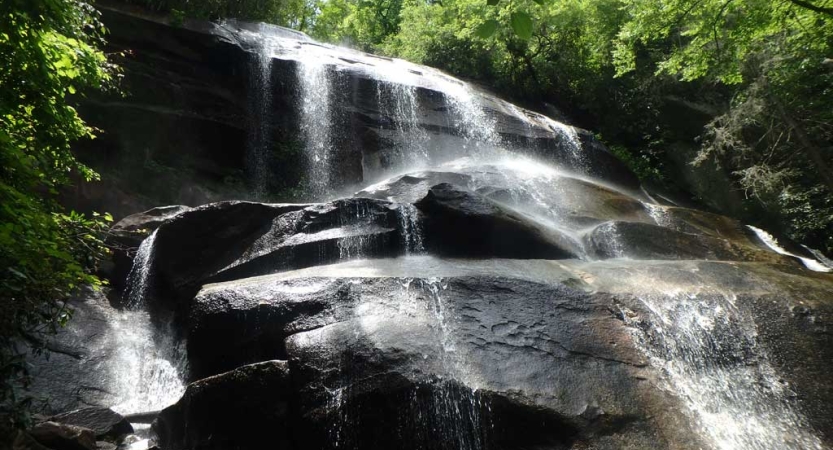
(746, 84)
(50, 51)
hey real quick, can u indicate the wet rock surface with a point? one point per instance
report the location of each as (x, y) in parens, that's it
(244, 408)
(459, 222)
(68, 375)
(442, 353)
(104, 422)
(59, 436)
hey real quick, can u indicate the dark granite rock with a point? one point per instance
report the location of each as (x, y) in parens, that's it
(104, 422)
(242, 409)
(59, 436)
(463, 223)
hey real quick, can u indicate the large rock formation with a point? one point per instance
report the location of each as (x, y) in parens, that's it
(504, 284)
(196, 118)
(397, 348)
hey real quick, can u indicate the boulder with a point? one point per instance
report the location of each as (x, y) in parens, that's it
(421, 352)
(127, 235)
(104, 422)
(134, 228)
(243, 409)
(462, 223)
(59, 436)
(239, 239)
(646, 241)
(68, 374)
(564, 199)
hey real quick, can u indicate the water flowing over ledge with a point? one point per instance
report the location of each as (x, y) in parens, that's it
(476, 276)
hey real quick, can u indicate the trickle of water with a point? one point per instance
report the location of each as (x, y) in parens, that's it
(316, 123)
(573, 143)
(708, 349)
(411, 229)
(773, 244)
(138, 279)
(612, 244)
(659, 214)
(258, 143)
(399, 103)
(469, 118)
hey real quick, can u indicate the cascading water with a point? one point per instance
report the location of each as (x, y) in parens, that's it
(772, 243)
(138, 280)
(148, 369)
(704, 344)
(316, 125)
(411, 229)
(399, 102)
(260, 105)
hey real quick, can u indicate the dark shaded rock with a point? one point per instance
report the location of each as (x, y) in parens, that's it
(215, 234)
(104, 445)
(23, 441)
(242, 409)
(491, 356)
(139, 226)
(127, 235)
(246, 323)
(463, 223)
(59, 436)
(103, 421)
(239, 239)
(646, 241)
(68, 375)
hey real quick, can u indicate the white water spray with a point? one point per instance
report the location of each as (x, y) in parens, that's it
(316, 124)
(772, 243)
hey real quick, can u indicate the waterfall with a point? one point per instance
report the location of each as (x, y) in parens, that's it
(258, 146)
(316, 124)
(705, 344)
(571, 140)
(456, 408)
(411, 229)
(148, 367)
(470, 119)
(399, 103)
(139, 277)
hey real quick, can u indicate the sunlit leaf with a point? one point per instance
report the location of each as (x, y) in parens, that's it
(486, 29)
(522, 25)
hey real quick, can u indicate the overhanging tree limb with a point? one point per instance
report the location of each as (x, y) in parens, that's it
(812, 7)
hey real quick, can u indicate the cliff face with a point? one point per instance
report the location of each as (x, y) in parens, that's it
(217, 111)
(178, 133)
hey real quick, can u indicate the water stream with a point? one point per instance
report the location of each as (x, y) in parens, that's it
(316, 126)
(708, 349)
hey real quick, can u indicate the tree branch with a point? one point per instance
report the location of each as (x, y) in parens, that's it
(807, 5)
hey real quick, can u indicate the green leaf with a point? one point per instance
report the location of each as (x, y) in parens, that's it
(486, 29)
(540, 2)
(522, 25)
(492, 2)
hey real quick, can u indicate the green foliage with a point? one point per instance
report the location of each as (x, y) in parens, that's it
(361, 23)
(760, 68)
(50, 52)
(288, 13)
